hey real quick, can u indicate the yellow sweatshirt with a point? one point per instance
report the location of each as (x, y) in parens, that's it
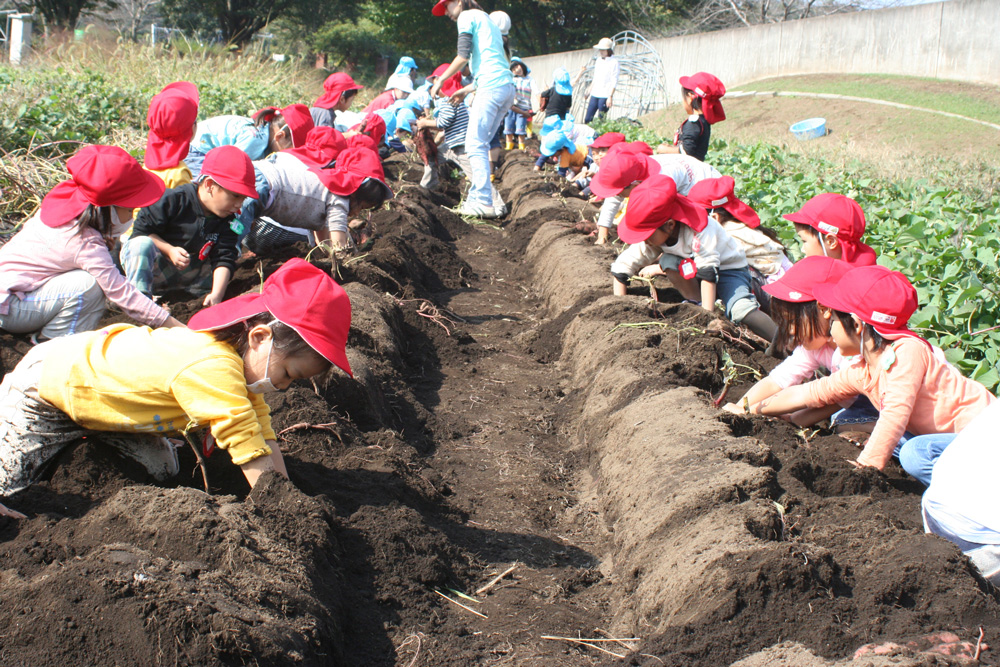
(136, 379)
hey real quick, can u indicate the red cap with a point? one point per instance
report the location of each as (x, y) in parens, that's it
(298, 119)
(841, 216)
(362, 141)
(374, 126)
(232, 169)
(335, 85)
(652, 204)
(102, 176)
(711, 90)
(620, 168)
(299, 295)
(799, 281)
(452, 84)
(354, 166)
(440, 8)
(878, 296)
(172, 114)
(323, 145)
(718, 193)
(608, 139)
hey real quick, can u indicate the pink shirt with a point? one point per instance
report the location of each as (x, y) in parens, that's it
(38, 252)
(802, 363)
(913, 389)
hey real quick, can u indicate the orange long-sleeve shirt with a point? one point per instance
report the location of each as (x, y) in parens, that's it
(913, 389)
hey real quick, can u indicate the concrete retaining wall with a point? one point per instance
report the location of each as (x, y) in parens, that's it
(958, 39)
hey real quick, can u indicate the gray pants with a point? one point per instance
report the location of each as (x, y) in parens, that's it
(65, 304)
(461, 158)
(33, 432)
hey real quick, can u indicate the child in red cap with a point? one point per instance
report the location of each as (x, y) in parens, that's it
(57, 272)
(127, 387)
(628, 164)
(700, 259)
(803, 328)
(701, 95)
(270, 129)
(172, 119)
(764, 252)
(192, 230)
(304, 196)
(915, 390)
(339, 90)
(832, 225)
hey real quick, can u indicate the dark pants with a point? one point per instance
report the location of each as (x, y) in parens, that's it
(594, 105)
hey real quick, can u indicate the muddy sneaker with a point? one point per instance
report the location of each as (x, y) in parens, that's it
(500, 210)
(474, 210)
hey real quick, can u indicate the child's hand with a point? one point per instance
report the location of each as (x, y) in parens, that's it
(457, 97)
(651, 270)
(732, 407)
(179, 257)
(13, 514)
(212, 299)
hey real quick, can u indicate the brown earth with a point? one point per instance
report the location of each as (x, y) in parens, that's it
(500, 416)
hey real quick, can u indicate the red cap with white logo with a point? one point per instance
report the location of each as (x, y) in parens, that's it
(877, 296)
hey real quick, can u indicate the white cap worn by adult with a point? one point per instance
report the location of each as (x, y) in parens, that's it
(502, 21)
(605, 44)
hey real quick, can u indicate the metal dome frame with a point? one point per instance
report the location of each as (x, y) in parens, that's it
(641, 85)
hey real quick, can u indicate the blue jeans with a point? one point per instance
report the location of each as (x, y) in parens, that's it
(194, 160)
(918, 453)
(485, 116)
(594, 105)
(515, 123)
(733, 288)
(861, 412)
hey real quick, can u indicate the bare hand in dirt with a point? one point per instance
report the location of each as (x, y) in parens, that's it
(733, 408)
(179, 257)
(252, 470)
(212, 299)
(651, 270)
(13, 514)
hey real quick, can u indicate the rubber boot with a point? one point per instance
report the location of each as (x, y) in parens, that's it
(520, 143)
(760, 324)
(530, 131)
(509, 145)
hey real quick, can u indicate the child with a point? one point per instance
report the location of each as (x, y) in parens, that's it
(482, 47)
(627, 165)
(765, 254)
(193, 228)
(700, 259)
(407, 66)
(832, 225)
(516, 122)
(557, 100)
(962, 503)
(571, 157)
(913, 389)
(701, 95)
(271, 129)
(173, 120)
(128, 386)
(597, 150)
(401, 126)
(339, 91)
(606, 72)
(299, 194)
(57, 271)
(398, 87)
(802, 326)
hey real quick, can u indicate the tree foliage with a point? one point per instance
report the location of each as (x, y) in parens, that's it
(64, 14)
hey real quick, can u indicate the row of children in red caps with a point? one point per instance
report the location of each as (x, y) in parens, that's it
(835, 311)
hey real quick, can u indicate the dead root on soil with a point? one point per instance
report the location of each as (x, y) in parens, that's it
(428, 310)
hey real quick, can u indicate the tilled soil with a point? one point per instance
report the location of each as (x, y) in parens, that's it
(506, 412)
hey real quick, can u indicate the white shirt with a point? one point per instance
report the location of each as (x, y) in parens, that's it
(710, 247)
(606, 72)
(685, 170)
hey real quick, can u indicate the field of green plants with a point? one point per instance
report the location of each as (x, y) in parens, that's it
(941, 231)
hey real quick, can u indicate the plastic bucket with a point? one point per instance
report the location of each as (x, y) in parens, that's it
(809, 129)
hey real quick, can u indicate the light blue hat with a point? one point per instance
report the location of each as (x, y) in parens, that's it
(389, 116)
(563, 85)
(405, 118)
(554, 141)
(549, 124)
(406, 63)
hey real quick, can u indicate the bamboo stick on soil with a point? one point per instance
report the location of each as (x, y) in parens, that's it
(453, 601)
(587, 643)
(495, 580)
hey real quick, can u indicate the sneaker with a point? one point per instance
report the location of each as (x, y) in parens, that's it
(474, 210)
(500, 210)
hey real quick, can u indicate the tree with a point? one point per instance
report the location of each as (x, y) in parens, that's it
(238, 20)
(64, 14)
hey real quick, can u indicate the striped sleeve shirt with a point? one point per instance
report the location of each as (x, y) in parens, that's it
(453, 120)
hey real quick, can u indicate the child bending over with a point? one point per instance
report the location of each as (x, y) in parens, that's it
(922, 400)
(832, 225)
(189, 239)
(127, 387)
(700, 259)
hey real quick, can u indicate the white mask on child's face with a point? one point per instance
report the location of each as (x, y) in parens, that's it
(117, 227)
(264, 385)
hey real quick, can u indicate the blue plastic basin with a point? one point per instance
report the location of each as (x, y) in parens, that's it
(809, 129)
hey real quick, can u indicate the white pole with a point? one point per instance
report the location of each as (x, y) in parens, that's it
(20, 38)
(152, 34)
